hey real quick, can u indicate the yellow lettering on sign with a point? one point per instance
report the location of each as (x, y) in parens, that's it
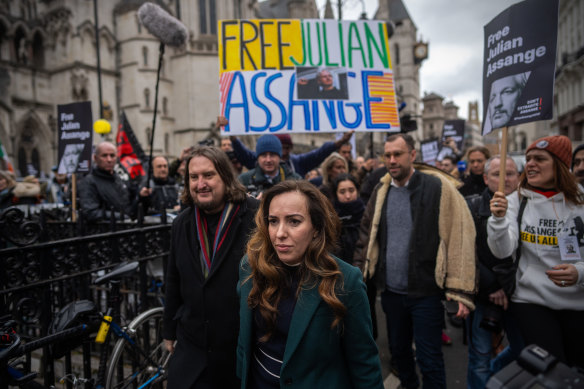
(266, 44)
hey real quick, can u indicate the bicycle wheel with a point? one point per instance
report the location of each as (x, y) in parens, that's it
(132, 366)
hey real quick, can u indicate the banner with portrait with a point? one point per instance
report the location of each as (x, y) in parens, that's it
(288, 75)
(519, 64)
(75, 125)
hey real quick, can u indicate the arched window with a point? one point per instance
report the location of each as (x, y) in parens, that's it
(2, 38)
(164, 106)
(396, 53)
(38, 52)
(207, 17)
(148, 135)
(20, 47)
(147, 97)
(145, 55)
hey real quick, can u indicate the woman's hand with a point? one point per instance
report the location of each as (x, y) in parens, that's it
(564, 274)
(499, 204)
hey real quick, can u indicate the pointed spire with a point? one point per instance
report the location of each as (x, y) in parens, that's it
(328, 10)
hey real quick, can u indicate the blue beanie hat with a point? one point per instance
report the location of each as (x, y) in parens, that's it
(269, 143)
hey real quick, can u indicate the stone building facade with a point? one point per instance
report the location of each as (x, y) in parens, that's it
(48, 57)
(569, 87)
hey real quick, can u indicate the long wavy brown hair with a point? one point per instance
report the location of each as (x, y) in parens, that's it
(318, 268)
(564, 181)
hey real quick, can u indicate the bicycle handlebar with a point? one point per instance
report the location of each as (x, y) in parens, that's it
(49, 339)
(17, 350)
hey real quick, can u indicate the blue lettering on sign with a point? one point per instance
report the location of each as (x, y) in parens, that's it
(358, 112)
(329, 109)
(271, 97)
(228, 105)
(336, 115)
(257, 102)
(292, 103)
(315, 115)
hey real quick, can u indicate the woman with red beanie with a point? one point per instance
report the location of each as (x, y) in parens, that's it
(542, 226)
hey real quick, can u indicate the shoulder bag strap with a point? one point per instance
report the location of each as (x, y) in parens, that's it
(519, 217)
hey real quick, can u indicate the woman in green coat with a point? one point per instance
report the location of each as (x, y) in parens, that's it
(304, 314)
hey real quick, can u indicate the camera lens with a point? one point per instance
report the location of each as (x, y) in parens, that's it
(492, 318)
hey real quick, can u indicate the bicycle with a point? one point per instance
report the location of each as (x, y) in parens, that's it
(138, 359)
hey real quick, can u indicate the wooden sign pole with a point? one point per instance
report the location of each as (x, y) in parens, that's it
(73, 197)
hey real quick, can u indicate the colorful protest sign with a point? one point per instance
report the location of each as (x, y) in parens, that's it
(519, 64)
(305, 76)
(75, 137)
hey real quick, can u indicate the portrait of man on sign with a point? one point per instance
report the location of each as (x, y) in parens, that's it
(321, 83)
(70, 159)
(505, 93)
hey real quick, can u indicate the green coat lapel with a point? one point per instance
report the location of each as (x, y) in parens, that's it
(306, 306)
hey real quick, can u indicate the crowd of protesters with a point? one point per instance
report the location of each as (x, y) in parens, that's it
(423, 237)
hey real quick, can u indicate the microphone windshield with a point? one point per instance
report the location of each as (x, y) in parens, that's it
(168, 29)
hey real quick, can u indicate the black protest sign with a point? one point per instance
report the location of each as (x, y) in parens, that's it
(454, 129)
(429, 150)
(75, 137)
(519, 64)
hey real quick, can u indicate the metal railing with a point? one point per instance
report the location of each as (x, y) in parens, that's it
(38, 279)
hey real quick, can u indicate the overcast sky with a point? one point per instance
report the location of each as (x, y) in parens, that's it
(454, 30)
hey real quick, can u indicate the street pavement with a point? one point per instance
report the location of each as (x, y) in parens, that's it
(455, 356)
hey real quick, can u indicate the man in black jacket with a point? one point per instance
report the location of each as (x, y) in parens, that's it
(102, 191)
(412, 245)
(496, 280)
(162, 191)
(201, 315)
(474, 182)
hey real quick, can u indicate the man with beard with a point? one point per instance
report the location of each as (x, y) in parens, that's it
(208, 241)
(578, 164)
(416, 243)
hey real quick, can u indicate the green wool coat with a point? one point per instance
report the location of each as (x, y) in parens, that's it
(317, 356)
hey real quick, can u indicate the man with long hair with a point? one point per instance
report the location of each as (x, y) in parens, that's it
(208, 240)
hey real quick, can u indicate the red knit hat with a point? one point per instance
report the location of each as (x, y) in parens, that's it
(558, 145)
(285, 139)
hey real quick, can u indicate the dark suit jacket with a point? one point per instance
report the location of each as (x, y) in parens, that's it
(317, 356)
(202, 314)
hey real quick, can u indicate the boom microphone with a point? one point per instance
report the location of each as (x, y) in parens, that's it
(168, 29)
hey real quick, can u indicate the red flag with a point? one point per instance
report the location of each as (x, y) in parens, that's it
(130, 153)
